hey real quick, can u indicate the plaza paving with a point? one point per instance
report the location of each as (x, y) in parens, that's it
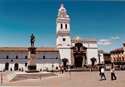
(77, 79)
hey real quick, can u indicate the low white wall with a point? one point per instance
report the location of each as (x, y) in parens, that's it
(2, 66)
(65, 53)
(90, 54)
(47, 66)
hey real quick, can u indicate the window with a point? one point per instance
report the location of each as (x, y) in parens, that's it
(65, 26)
(43, 57)
(25, 64)
(11, 60)
(61, 26)
(25, 57)
(64, 39)
(16, 57)
(122, 58)
(7, 57)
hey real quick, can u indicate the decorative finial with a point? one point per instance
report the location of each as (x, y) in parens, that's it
(77, 38)
(62, 6)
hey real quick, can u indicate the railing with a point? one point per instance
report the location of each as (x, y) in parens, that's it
(48, 58)
(13, 58)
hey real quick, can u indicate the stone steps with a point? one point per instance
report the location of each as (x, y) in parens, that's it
(32, 76)
(10, 75)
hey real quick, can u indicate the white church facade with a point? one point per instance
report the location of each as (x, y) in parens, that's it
(77, 51)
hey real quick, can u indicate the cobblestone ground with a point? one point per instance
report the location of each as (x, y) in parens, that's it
(76, 79)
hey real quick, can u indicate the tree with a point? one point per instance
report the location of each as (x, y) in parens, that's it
(93, 60)
(65, 61)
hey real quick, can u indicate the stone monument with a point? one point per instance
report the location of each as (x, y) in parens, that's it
(32, 55)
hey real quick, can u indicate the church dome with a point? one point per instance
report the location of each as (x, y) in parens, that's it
(78, 38)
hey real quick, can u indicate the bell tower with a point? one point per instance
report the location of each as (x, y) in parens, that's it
(63, 41)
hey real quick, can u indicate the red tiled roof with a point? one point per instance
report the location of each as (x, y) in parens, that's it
(118, 50)
(46, 49)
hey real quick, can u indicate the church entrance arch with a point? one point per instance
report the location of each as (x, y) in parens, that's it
(16, 66)
(78, 61)
(79, 53)
(7, 66)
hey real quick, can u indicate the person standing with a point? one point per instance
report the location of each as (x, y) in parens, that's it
(113, 76)
(103, 77)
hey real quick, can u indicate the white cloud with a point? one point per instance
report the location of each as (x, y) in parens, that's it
(104, 42)
(115, 37)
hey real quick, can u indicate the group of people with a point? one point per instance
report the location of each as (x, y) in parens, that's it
(64, 69)
(102, 73)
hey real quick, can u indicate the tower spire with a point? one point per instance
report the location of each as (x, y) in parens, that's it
(63, 21)
(63, 41)
(62, 11)
(62, 5)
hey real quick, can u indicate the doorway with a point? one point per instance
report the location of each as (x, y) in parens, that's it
(16, 66)
(7, 66)
(78, 61)
(79, 53)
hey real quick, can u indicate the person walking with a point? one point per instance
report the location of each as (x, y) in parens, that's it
(100, 70)
(61, 69)
(113, 76)
(103, 77)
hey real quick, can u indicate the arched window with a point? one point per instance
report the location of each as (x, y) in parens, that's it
(61, 26)
(43, 57)
(7, 57)
(7, 66)
(25, 57)
(11, 60)
(25, 64)
(16, 57)
(16, 66)
(64, 39)
(65, 26)
(122, 58)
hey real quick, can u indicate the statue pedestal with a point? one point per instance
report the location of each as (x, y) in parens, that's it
(32, 60)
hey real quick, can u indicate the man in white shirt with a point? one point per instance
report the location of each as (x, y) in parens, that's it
(103, 77)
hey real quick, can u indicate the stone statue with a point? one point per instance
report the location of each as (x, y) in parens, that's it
(32, 40)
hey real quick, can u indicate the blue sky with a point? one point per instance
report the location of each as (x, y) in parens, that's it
(103, 20)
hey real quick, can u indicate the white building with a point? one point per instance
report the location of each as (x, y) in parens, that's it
(16, 58)
(65, 43)
(77, 51)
